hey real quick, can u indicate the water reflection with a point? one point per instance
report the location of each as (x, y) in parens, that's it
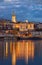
(23, 49)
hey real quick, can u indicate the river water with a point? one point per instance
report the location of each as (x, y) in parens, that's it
(21, 52)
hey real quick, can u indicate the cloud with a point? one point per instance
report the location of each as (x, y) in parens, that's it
(7, 0)
(2, 7)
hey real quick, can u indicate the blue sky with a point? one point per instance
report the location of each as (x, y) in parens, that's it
(24, 9)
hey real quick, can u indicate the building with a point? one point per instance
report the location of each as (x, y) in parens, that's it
(30, 26)
(23, 26)
(15, 27)
(13, 18)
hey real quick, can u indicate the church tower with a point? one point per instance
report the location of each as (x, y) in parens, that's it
(13, 17)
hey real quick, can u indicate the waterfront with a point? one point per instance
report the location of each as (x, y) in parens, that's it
(20, 52)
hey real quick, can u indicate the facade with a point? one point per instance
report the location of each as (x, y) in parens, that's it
(13, 18)
(24, 26)
(15, 27)
(30, 26)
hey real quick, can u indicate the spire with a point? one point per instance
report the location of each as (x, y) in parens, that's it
(13, 14)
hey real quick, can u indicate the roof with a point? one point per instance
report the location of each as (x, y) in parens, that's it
(9, 21)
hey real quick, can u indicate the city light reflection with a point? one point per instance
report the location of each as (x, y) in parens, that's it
(22, 49)
(19, 50)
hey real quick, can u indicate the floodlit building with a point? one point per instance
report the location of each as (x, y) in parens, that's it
(16, 27)
(30, 26)
(13, 18)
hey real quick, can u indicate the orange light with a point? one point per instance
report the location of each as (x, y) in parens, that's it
(22, 49)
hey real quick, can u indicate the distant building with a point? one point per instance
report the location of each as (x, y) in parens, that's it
(13, 18)
(30, 26)
(24, 26)
(9, 26)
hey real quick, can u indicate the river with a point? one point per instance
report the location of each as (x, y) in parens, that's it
(21, 52)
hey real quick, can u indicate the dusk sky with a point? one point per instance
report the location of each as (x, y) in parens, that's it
(24, 9)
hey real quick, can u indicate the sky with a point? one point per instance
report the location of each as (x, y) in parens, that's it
(24, 9)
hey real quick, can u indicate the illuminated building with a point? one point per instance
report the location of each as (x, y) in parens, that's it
(30, 26)
(13, 18)
(15, 27)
